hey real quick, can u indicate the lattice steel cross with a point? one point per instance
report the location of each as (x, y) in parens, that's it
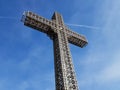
(65, 78)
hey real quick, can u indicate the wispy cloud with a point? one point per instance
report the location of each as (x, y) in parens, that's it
(111, 72)
(102, 63)
(83, 26)
(107, 74)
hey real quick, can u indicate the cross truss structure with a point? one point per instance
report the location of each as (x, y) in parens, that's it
(65, 78)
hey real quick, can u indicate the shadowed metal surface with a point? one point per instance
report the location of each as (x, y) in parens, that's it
(65, 78)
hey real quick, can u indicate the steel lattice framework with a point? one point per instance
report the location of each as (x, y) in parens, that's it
(65, 78)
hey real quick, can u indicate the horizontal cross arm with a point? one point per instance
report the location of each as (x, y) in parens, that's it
(37, 22)
(76, 39)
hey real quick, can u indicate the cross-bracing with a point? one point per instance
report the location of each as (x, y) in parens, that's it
(65, 78)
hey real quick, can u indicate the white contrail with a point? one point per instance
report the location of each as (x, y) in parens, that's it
(84, 26)
(77, 25)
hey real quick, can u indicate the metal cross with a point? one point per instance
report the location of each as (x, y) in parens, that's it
(65, 78)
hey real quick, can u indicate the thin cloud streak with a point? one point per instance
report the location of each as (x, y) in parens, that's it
(84, 26)
(108, 58)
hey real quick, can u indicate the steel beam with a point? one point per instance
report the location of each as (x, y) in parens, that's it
(65, 78)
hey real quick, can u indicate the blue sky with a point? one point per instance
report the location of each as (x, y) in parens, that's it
(26, 55)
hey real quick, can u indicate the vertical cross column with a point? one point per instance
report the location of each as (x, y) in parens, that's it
(64, 71)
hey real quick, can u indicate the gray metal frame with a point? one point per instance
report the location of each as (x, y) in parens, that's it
(65, 78)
